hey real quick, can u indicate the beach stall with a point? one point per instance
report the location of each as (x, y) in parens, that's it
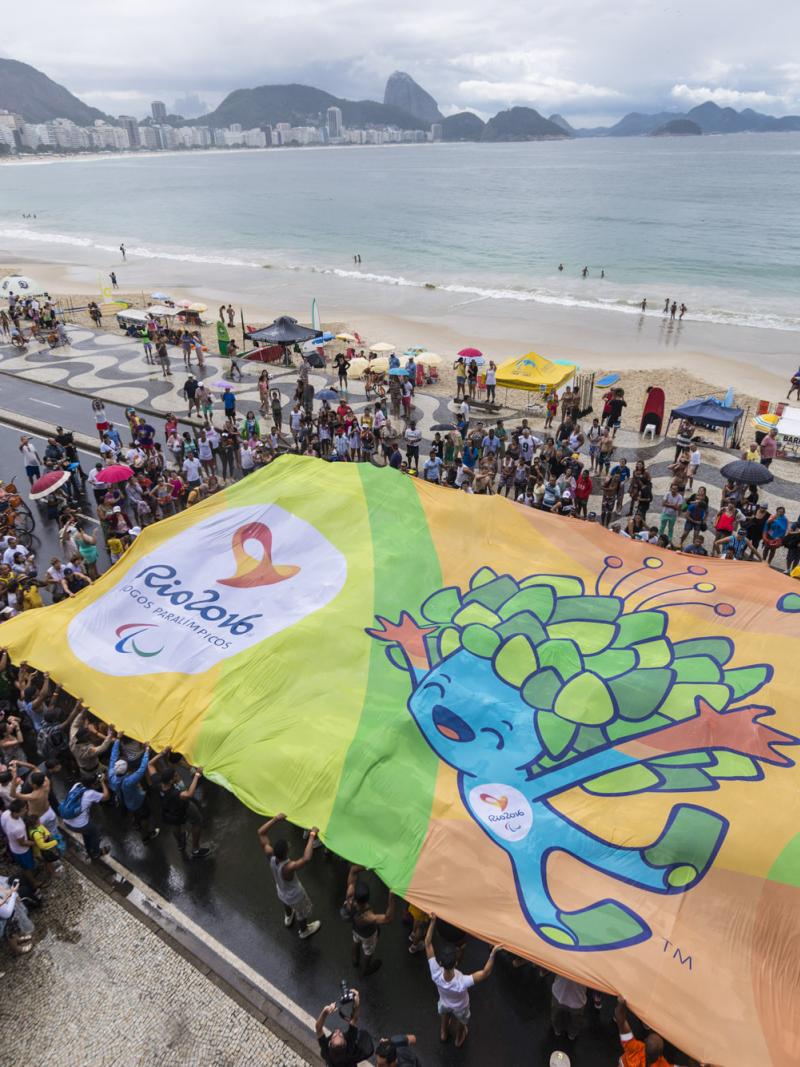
(284, 332)
(533, 373)
(789, 428)
(132, 317)
(709, 412)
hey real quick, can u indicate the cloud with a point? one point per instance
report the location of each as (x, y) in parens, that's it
(737, 98)
(587, 56)
(534, 91)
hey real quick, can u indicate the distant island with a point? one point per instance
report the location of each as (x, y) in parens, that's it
(37, 115)
(678, 128)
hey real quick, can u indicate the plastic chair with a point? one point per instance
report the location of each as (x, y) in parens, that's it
(649, 431)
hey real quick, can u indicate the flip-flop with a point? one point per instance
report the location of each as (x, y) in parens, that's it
(458, 1043)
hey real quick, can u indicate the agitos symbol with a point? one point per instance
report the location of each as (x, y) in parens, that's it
(250, 571)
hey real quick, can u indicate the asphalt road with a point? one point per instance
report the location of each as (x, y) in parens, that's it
(232, 895)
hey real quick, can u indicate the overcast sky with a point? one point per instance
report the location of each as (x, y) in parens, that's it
(592, 60)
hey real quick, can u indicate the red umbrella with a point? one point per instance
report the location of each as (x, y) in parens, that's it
(470, 353)
(48, 483)
(117, 472)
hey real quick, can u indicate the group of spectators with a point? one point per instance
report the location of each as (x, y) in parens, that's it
(41, 316)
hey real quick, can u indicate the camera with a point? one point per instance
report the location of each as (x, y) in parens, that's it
(347, 997)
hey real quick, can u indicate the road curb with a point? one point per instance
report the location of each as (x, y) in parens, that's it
(29, 424)
(236, 979)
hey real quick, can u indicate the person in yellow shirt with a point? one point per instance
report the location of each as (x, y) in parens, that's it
(45, 846)
(751, 453)
(115, 548)
(31, 597)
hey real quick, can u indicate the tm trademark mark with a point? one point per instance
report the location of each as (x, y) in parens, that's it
(685, 961)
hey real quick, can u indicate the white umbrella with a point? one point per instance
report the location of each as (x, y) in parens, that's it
(381, 364)
(357, 366)
(428, 359)
(160, 311)
(20, 285)
(382, 346)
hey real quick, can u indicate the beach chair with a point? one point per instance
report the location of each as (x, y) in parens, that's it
(763, 407)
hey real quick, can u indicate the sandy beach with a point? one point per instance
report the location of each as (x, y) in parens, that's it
(686, 359)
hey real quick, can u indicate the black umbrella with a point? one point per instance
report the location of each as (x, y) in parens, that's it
(284, 331)
(747, 471)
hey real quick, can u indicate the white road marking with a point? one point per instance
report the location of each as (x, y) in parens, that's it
(45, 402)
(155, 900)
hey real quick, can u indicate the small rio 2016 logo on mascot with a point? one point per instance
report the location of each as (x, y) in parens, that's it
(532, 688)
(210, 592)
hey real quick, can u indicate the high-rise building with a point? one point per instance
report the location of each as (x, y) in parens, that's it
(436, 131)
(129, 123)
(159, 110)
(334, 122)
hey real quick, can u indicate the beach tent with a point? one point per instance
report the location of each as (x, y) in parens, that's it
(283, 331)
(161, 311)
(533, 371)
(707, 411)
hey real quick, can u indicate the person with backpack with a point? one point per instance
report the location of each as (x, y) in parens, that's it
(128, 790)
(179, 809)
(76, 812)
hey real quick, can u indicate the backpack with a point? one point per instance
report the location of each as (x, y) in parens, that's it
(70, 806)
(50, 740)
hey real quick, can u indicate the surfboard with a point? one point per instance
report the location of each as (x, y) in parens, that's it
(653, 410)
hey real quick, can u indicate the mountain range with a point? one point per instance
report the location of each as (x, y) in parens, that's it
(28, 92)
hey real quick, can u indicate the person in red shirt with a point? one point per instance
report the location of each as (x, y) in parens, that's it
(647, 1053)
(583, 490)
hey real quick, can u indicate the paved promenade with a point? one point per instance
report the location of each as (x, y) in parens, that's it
(100, 989)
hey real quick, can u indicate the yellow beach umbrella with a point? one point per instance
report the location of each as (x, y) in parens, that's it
(429, 359)
(379, 365)
(765, 421)
(199, 308)
(382, 346)
(348, 337)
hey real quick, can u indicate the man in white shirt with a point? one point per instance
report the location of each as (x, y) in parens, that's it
(246, 460)
(13, 825)
(12, 548)
(412, 438)
(453, 986)
(82, 822)
(464, 411)
(694, 465)
(527, 445)
(191, 468)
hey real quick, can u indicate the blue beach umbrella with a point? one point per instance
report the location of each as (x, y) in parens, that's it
(398, 372)
(327, 394)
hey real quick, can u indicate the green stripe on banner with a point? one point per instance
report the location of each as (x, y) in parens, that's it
(383, 806)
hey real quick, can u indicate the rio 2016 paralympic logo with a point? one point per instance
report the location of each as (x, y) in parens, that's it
(251, 572)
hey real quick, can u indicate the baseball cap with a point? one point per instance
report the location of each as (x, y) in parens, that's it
(116, 509)
(559, 1059)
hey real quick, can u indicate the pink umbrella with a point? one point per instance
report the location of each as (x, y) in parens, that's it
(470, 353)
(117, 472)
(48, 483)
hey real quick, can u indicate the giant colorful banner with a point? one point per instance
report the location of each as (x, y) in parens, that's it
(560, 739)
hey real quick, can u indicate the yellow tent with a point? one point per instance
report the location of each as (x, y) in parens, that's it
(533, 372)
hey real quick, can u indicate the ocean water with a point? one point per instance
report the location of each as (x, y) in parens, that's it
(713, 221)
